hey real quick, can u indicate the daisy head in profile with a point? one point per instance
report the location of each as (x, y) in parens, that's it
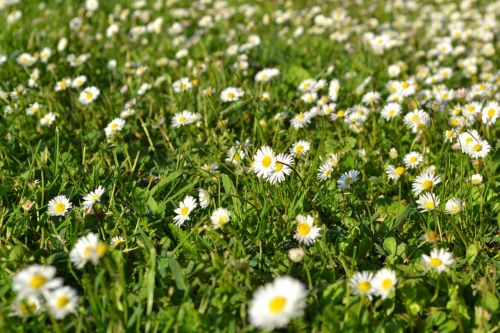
(26, 306)
(91, 198)
(275, 304)
(427, 202)
(88, 95)
(59, 206)
(439, 260)
(88, 249)
(306, 232)
(220, 217)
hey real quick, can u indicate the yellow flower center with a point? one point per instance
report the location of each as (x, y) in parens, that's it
(299, 149)
(477, 147)
(277, 304)
(455, 122)
(183, 85)
(230, 95)
(300, 116)
(94, 197)
(491, 112)
(414, 117)
(387, 283)
(89, 95)
(222, 220)
(62, 301)
(37, 281)
(278, 166)
(303, 229)
(86, 251)
(101, 249)
(348, 180)
(429, 204)
(364, 286)
(413, 159)
(426, 184)
(59, 207)
(182, 119)
(405, 85)
(435, 262)
(114, 126)
(340, 113)
(391, 112)
(184, 211)
(26, 307)
(399, 171)
(266, 161)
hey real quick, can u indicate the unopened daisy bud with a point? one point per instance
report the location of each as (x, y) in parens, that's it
(393, 153)
(296, 254)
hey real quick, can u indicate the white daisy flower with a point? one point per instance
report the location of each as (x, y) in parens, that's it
(87, 248)
(231, 94)
(220, 217)
(300, 148)
(282, 168)
(88, 95)
(425, 182)
(35, 280)
(394, 172)
(306, 232)
(185, 208)
(95, 196)
(275, 304)
(362, 284)
(62, 301)
(427, 202)
(384, 282)
(203, 198)
(116, 125)
(413, 159)
(48, 119)
(347, 179)
(453, 206)
(439, 260)
(264, 162)
(59, 206)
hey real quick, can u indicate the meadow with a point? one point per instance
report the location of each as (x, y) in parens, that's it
(247, 166)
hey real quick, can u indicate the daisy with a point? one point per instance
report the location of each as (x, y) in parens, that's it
(306, 232)
(231, 94)
(209, 167)
(186, 206)
(203, 198)
(439, 260)
(427, 202)
(325, 171)
(88, 95)
(48, 119)
(220, 217)
(307, 85)
(476, 179)
(117, 240)
(62, 301)
(362, 284)
(59, 206)
(413, 159)
(35, 280)
(63, 84)
(453, 206)
(182, 85)
(26, 306)
(282, 168)
(95, 196)
(370, 97)
(347, 179)
(301, 120)
(296, 254)
(490, 113)
(235, 155)
(184, 118)
(264, 162)
(394, 172)
(417, 120)
(116, 125)
(87, 248)
(479, 149)
(266, 74)
(425, 182)
(33, 109)
(26, 60)
(300, 148)
(384, 282)
(390, 111)
(78, 81)
(275, 304)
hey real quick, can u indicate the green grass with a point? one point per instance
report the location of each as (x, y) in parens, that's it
(196, 278)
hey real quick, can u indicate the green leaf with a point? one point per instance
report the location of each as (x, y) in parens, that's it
(177, 272)
(390, 245)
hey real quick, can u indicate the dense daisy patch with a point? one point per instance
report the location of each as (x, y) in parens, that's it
(243, 166)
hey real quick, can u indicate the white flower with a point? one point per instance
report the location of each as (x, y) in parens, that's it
(87, 248)
(325, 171)
(181, 85)
(26, 306)
(184, 118)
(117, 240)
(59, 206)
(62, 301)
(306, 232)
(476, 179)
(296, 254)
(347, 179)
(390, 111)
(412, 159)
(26, 60)
(275, 304)
(35, 280)
(186, 206)
(116, 125)
(384, 282)
(427, 202)
(231, 94)
(425, 182)
(220, 217)
(362, 284)
(300, 148)
(91, 5)
(266, 74)
(203, 198)
(95, 196)
(394, 172)
(282, 168)
(88, 95)
(264, 162)
(453, 206)
(439, 260)
(78, 81)
(48, 119)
